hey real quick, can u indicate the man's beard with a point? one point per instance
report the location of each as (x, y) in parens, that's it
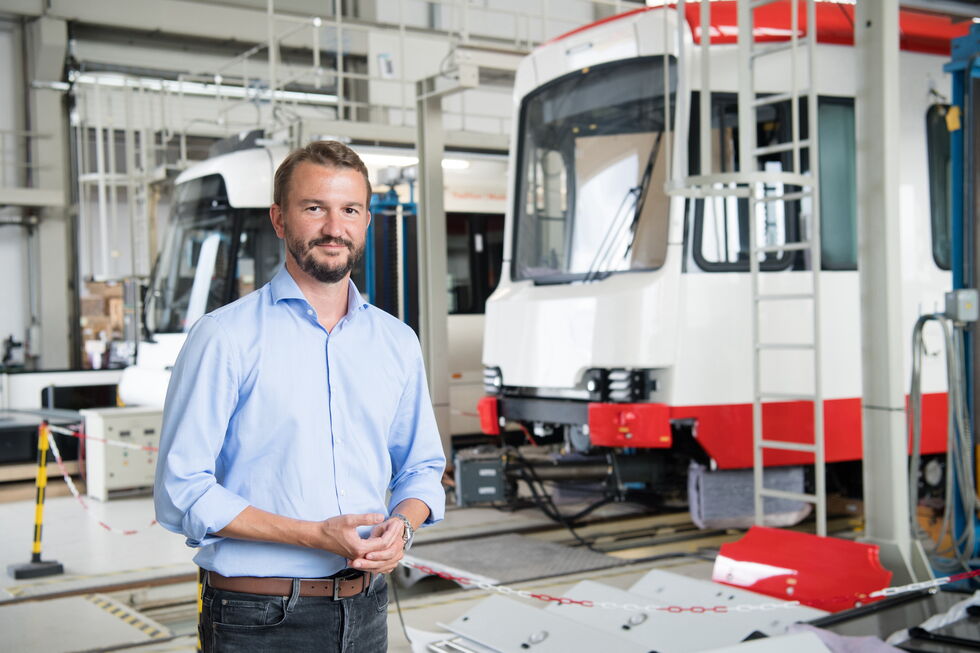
(302, 253)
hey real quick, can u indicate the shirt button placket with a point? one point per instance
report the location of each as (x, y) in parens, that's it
(330, 428)
(338, 428)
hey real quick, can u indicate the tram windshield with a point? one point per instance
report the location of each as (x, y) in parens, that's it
(213, 254)
(591, 171)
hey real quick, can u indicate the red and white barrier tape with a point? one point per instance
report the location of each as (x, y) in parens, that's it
(674, 609)
(115, 443)
(78, 496)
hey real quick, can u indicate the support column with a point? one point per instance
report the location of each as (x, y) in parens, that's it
(53, 327)
(433, 311)
(886, 509)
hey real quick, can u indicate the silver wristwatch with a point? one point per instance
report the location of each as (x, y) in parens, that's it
(409, 533)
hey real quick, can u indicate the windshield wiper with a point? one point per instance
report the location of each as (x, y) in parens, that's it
(643, 191)
(605, 255)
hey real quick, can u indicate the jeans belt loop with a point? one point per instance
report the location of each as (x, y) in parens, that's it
(368, 581)
(293, 595)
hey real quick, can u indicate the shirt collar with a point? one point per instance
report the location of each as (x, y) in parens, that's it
(354, 300)
(283, 286)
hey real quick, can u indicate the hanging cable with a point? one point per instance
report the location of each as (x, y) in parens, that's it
(542, 499)
(958, 448)
(398, 608)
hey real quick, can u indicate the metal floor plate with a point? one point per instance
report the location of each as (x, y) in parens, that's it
(674, 589)
(797, 643)
(506, 625)
(666, 632)
(510, 558)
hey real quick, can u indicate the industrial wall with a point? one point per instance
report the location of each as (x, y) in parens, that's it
(134, 64)
(14, 298)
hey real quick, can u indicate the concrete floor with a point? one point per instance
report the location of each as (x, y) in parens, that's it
(98, 562)
(109, 572)
(92, 556)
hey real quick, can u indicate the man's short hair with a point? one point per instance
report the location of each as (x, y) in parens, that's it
(331, 154)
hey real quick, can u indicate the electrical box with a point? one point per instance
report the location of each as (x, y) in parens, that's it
(479, 478)
(120, 449)
(962, 305)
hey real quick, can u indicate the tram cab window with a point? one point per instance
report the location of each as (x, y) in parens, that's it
(213, 255)
(190, 277)
(591, 170)
(721, 225)
(260, 252)
(940, 190)
(547, 199)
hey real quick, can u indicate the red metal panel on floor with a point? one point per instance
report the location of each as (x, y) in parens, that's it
(822, 572)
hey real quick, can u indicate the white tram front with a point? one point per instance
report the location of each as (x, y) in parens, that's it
(623, 315)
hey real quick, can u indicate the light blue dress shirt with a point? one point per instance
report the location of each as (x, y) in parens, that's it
(266, 408)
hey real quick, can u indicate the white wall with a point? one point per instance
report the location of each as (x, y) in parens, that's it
(14, 307)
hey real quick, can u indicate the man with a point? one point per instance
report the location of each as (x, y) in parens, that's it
(290, 413)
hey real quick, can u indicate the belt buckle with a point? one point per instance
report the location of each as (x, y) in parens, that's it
(343, 576)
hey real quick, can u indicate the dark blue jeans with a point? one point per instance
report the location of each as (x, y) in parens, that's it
(233, 622)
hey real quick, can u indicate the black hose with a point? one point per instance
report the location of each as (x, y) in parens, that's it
(545, 503)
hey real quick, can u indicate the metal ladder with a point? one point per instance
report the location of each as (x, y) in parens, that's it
(759, 198)
(752, 184)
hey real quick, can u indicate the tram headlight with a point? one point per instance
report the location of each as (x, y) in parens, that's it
(621, 386)
(618, 385)
(492, 380)
(595, 384)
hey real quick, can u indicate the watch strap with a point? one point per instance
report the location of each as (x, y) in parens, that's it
(409, 533)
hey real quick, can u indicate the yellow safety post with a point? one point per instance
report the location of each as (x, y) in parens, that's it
(37, 567)
(200, 604)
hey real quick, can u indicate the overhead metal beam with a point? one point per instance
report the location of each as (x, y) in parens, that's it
(398, 135)
(214, 21)
(32, 197)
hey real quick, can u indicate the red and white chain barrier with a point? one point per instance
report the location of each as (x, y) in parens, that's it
(501, 589)
(673, 609)
(81, 435)
(74, 490)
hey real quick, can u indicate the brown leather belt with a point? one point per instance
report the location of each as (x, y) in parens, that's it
(335, 588)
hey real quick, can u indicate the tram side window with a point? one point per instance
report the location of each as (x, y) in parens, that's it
(940, 191)
(460, 281)
(721, 224)
(475, 254)
(838, 184)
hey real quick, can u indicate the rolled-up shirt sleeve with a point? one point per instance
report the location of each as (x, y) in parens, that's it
(201, 399)
(415, 447)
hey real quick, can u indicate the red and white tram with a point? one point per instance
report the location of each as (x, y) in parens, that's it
(623, 315)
